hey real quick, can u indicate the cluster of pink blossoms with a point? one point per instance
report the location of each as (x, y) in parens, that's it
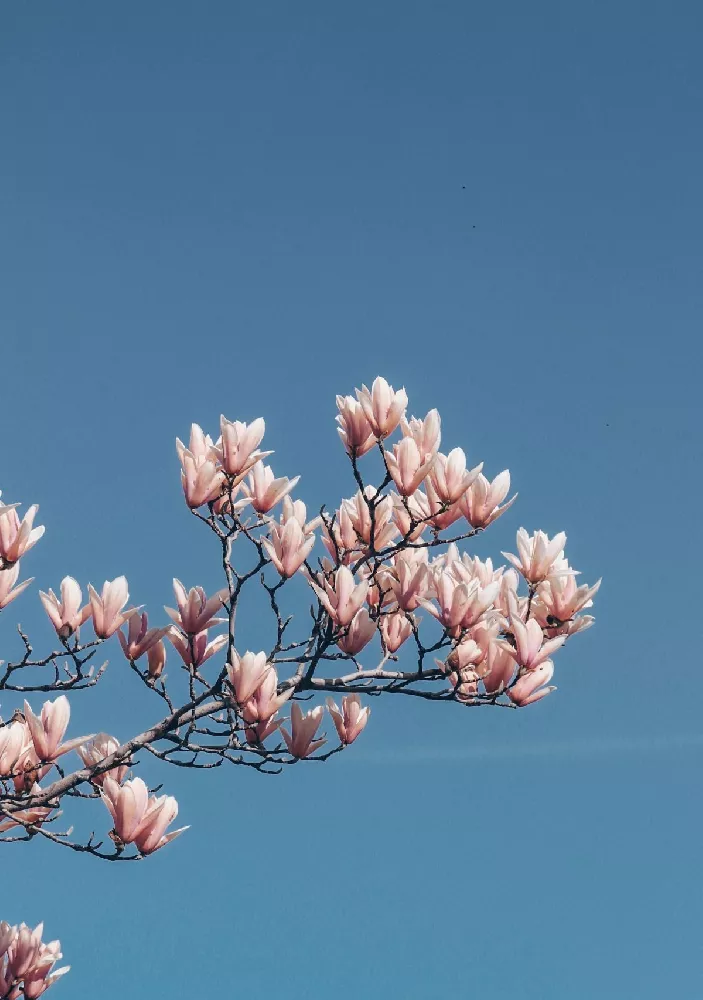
(26, 963)
(392, 571)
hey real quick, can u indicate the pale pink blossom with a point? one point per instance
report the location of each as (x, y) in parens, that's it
(246, 673)
(47, 730)
(351, 719)
(537, 554)
(8, 590)
(407, 466)
(18, 537)
(32, 816)
(265, 701)
(359, 510)
(195, 650)
(461, 605)
(357, 634)
(530, 649)
(450, 477)
(466, 653)
(14, 740)
(108, 608)
(409, 580)
(395, 628)
(342, 598)
(202, 477)
(66, 615)
(426, 433)
(288, 547)
(140, 638)
(260, 731)
(380, 593)
(238, 444)
(497, 669)
(301, 740)
(340, 538)
(96, 750)
(264, 490)
(227, 502)
(383, 406)
(296, 510)
(196, 610)
(562, 599)
(156, 660)
(354, 428)
(441, 515)
(480, 504)
(200, 445)
(411, 515)
(530, 688)
(140, 819)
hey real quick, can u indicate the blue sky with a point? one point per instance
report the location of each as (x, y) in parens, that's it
(248, 208)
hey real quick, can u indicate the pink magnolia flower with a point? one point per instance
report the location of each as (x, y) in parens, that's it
(359, 511)
(48, 729)
(140, 638)
(96, 750)
(562, 599)
(66, 615)
(466, 653)
(301, 740)
(529, 687)
(8, 590)
(425, 433)
(227, 502)
(340, 538)
(395, 629)
(260, 731)
(33, 816)
(288, 547)
(195, 609)
(201, 477)
(108, 608)
(383, 406)
(200, 445)
(530, 650)
(296, 510)
(156, 659)
(238, 444)
(464, 684)
(342, 599)
(195, 650)
(537, 554)
(461, 605)
(450, 477)
(411, 515)
(246, 673)
(18, 537)
(497, 669)
(352, 718)
(14, 740)
(29, 959)
(409, 580)
(407, 466)
(480, 504)
(358, 633)
(265, 701)
(264, 490)
(140, 819)
(354, 429)
(441, 515)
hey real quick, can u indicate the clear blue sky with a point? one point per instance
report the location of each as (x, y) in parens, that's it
(248, 208)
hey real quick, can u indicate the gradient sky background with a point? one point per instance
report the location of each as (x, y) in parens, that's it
(249, 208)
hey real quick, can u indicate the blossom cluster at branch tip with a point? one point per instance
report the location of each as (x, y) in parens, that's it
(26, 962)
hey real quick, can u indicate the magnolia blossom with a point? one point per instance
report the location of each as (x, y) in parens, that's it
(561, 599)
(359, 510)
(344, 597)
(395, 628)
(195, 650)
(288, 547)
(237, 447)
(47, 730)
(246, 673)
(466, 653)
(529, 687)
(410, 578)
(461, 605)
(33, 816)
(408, 466)
(411, 515)
(14, 740)
(425, 433)
(195, 609)
(358, 633)
(383, 406)
(537, 554)
(263, 704)
(354, 428)
(301, 740)
(140, 819)
(156, 660)
(450, 477)
(441, 516)
(497, 669)
(96, 750)
(264, 490)
(27, 960)
(480, 504)
(18, 537)
(464, 684)
(351, 719)
(202, 477)
(107, 609)
(530, 650)
(140, 638)
(66, 615)
(8, 590)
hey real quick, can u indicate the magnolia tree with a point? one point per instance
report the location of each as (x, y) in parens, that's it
(393, 578)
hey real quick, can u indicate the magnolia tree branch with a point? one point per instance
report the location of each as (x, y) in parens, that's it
(395, 607)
